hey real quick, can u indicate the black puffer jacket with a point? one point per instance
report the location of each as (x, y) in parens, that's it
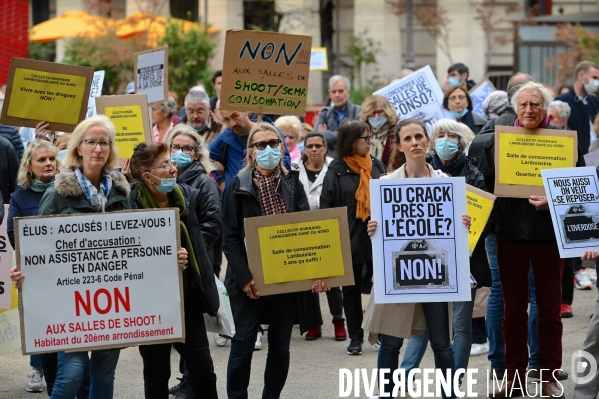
(201, 215)
(479, 263)
(12, 134)
(516, 218)
(339, 189)
(9, 167)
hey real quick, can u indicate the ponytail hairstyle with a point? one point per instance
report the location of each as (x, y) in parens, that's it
(398, 158)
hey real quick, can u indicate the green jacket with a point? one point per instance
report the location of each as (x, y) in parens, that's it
(66, 197)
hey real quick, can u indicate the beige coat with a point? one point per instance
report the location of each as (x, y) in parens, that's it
(397, 320)
(480, 302)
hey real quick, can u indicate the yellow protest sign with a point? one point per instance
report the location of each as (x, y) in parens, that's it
(286, 253)
(521, 154)
(479, 205)
(301, 251)
(46, 91)
(129, 114)
(10, 326)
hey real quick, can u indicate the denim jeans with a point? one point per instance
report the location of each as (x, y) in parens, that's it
(462, 338)
(50, 367)
(35, 361)
(533, 323)
(72, 367)
(437, 321)
(281, 310)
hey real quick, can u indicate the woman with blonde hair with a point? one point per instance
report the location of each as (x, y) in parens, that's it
(380, 115)
(291, 127)
(88, 184)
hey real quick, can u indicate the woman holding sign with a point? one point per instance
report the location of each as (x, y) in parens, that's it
(263, 187)
(89, 184)
(199, 212)
(395, 322)
(347, 183)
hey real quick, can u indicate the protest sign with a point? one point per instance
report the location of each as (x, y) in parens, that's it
(266, 72)
(319, 60)
(418, 95)
(286, 253)
(96, 91)
(151, 74)
(45, 91)
(10, 324)
(129, 114)
(478, 94)
(573, 197)
(521, 154)
(420, 248)
(479, 205)
(114, 277)
(6, 257)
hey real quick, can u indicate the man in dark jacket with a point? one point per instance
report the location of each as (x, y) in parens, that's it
(199, 116)
(12, 134)
(330, 118)
(583, 103)
(217, 80)
(9, 167)
(459, 74)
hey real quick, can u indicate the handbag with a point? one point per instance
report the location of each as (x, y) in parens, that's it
(222, 323)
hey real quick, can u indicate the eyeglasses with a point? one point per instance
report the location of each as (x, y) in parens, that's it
(274, 143)
(453, 98)
(378, 113)
(317, 146)
(190, 111)
(185, 148)
(532, 104)
(367, 139)
(166, 165)
(93, 143)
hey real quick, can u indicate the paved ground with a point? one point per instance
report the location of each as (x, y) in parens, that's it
(314, 369)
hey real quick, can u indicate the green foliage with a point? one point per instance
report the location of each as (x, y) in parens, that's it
(362, 50)
(589, 45)
(42, 51)
(188, 53)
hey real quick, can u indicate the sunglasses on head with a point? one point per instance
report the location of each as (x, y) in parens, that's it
(274, 143)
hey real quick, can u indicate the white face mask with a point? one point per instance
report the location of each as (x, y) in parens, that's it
(592, 86)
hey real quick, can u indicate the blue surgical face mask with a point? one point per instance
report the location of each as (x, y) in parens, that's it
(446, 148)
(62, 155)
(167, 184)
(301, 146)
(453, 81)
(269, 157)
(183, 160)
(377, 122)
(458, 115)
(199, 129)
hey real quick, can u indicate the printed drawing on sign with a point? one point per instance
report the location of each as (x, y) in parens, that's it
(573, 199)
(418, 95)
(421, 245)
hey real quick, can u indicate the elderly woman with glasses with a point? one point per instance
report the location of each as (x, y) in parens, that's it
(347, 183)
(88, 184)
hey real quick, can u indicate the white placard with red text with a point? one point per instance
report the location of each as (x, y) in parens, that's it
(5, 263)
(100, 280)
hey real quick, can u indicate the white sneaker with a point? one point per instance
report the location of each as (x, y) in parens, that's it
(34, 381)
(592, 273)
(264, 326)
(220, 341)
(479, 349)
(377, 347)
(258, 344)
(582, 281)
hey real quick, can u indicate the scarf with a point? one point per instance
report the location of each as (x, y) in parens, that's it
(468, 120)
(41, 186)
(379, 137)
(543, 125)
(453, 169)
(271, 202)
(147, 201)
(96, 197)
(363, 167)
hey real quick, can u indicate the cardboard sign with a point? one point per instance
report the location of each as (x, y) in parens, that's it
(10, 325)
(420, 248)
(478, 94)
(266, 72)
(479, 205)
(6, 258)
(286, 253)
(114, 276)
(96, 91)
(151, 74)
(521, 154)
(319, 60)
(45, 91)
(573, 197)
(129, 114)
(418, 95)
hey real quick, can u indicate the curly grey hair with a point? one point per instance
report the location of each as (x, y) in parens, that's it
(563, 109)
(547, 97)
(197, 96)
(448, 126)
(169, 106)
(339, 78)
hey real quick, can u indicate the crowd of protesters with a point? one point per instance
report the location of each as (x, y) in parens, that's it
(219, 167)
